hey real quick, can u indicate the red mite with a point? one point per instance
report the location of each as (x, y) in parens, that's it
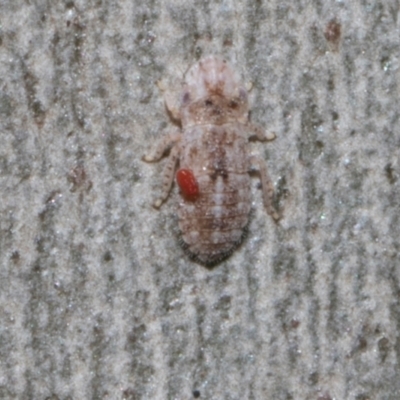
(188, 184)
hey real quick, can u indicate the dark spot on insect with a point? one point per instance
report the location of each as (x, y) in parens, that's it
(185, 98)
(333, 32)
(208, 103)
(242, 94)
(193, 152)
(196, 394)
(216, 111)
(219, 171)
(233, 104)
(223, 141)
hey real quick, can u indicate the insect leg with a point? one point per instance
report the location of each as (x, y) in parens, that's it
(171, 102)
(172, 106)
(259, 133)
(165, 143)
(168, 175)
(266, 186)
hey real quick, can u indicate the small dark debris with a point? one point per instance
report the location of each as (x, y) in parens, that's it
(313, 378)
(383, 347)
(51, 204)
(107, 256)
(362, 343)
(333, 32)
(362, 396)
(15, 256)
(228, 42)
(294, 323)
(129, 394)
(77, 176)
(53, 196)
(390, 174)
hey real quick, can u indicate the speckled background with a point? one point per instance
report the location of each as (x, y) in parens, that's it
(97, 299)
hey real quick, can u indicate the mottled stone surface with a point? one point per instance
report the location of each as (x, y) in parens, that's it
(98, 301)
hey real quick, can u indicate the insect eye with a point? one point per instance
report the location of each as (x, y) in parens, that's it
(208, 103)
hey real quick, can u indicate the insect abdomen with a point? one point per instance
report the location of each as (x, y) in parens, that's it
(212, 227)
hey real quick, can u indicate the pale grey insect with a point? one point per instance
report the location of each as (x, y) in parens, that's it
(214, 161)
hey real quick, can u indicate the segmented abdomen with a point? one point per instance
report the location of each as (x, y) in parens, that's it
(212, 226)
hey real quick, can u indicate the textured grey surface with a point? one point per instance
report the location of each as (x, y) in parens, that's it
(97, 300)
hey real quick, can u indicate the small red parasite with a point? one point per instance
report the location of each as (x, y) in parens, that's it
(188, 184)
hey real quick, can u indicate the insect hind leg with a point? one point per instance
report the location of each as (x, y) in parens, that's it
(168, 175)
(266, 185)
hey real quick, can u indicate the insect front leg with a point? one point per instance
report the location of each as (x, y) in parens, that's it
(165, 143)
(266, 185)
(170, 140)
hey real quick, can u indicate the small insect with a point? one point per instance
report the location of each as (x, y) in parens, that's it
(213, 155)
